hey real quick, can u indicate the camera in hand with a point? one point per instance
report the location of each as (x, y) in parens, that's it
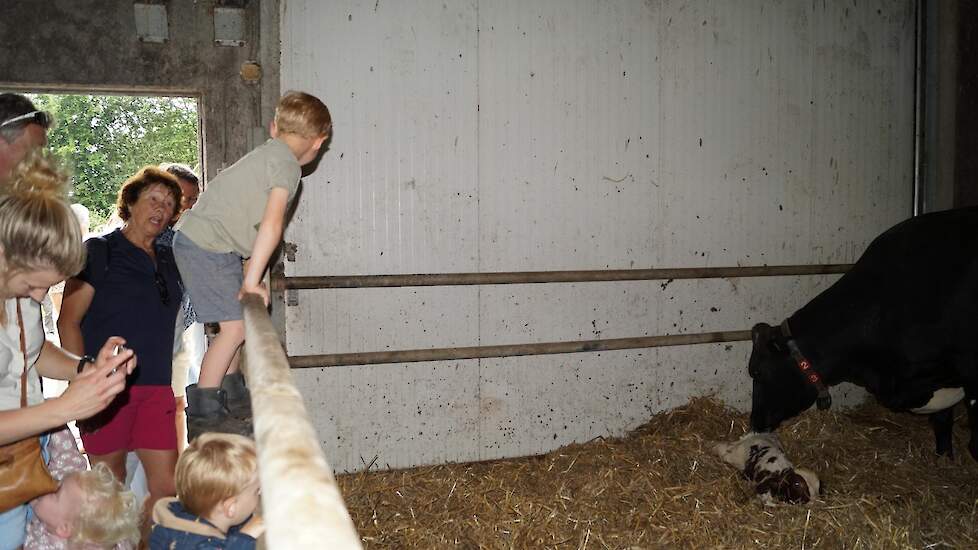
(119, 348)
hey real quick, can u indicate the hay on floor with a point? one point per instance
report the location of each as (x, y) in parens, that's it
(662, 487)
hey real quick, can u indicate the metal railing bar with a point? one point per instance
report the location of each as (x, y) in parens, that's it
(525, 277)
(513, 350)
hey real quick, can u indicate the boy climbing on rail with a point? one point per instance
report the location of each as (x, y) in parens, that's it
(239, 219)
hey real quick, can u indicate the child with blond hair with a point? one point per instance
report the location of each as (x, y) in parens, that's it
(217, 495)
(238, 218)
(90, 509)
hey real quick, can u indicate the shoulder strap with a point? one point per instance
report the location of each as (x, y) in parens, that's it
(108, 253)
(99, 250)
(23, 350)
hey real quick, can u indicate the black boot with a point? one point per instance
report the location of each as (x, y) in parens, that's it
(207, 412)
(238, 397)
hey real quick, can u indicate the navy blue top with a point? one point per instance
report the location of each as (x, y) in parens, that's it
(175, 527)
(128, 303)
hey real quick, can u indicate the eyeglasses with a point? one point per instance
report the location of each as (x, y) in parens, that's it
(161, 288)
(40, 118)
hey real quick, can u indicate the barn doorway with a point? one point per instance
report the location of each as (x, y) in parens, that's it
(103, 139)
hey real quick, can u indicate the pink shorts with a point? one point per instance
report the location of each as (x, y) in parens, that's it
(142, 417)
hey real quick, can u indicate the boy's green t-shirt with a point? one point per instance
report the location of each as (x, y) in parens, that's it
(228, 213)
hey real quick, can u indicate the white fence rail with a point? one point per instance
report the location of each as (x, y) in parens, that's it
(301, 503)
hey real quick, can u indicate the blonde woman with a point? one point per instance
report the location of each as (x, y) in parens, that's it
(40, 245)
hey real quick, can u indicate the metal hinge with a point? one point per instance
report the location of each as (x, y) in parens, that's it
(290, 249)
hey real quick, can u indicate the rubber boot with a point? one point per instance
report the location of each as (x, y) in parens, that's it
(207, 412)
(238, 398)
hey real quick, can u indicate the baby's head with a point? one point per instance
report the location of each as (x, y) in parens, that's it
(217, 478)
(90, 507)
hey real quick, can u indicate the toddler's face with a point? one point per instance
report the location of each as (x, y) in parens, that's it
(59, 509)
(247, 501)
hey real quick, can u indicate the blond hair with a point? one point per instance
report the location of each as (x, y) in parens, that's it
(38, 230)
(302, 114)
(110, 514)
(214, 468)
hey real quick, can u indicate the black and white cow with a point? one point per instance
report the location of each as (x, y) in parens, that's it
(761, 459)
(902, 323)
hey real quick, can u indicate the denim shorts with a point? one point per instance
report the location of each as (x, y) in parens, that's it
(212, 279)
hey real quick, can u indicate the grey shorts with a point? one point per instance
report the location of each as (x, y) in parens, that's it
(212, 279)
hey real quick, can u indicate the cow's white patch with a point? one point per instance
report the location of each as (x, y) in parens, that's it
(942, 399)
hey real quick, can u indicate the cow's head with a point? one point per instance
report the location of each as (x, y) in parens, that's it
(780, 391)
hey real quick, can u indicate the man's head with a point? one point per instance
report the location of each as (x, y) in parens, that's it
(189, 184)
(22, 129)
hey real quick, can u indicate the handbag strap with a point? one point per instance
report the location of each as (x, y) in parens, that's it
(23, 350)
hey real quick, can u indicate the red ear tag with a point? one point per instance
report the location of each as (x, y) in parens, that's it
(805, 365)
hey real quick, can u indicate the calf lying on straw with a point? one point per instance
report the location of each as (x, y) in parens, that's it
(761, 459)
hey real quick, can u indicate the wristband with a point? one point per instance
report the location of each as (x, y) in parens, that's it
(83, 360)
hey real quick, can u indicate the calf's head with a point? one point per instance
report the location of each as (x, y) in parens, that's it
(794, 486)
(780, 391)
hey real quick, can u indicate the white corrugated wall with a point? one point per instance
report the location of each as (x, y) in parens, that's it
(505, 135)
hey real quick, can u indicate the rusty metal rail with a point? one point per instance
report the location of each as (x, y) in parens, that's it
(529, 277)
(512, 350)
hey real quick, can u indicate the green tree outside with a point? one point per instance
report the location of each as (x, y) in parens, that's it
(105, 139)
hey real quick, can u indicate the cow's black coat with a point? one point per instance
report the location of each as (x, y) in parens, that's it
(901, 323)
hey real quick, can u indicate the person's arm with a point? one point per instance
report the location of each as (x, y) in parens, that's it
(16, 424)
(268, 239)
(54, 362)
(77, 299)
(90, 392)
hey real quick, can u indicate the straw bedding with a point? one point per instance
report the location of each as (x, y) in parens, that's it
(662, 487)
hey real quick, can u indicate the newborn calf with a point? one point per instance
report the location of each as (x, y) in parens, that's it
(760, 457)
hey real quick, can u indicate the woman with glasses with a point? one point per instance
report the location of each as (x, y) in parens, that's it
(130, 286)
(40, 244)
